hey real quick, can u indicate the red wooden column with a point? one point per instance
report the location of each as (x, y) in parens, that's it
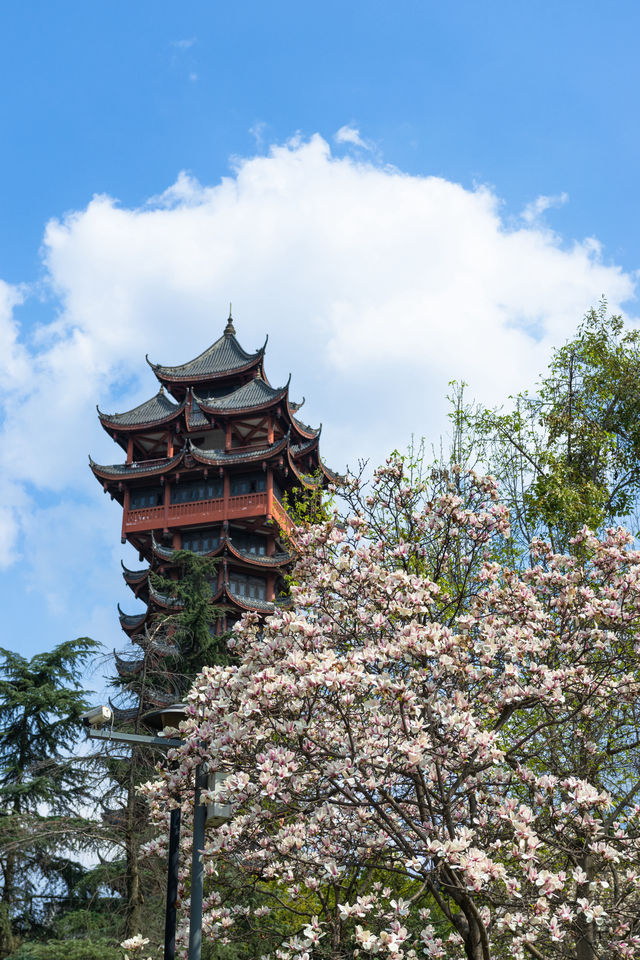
(269, 494)
(226, 487)
(130, 450)
(165, 515)
(125, 513)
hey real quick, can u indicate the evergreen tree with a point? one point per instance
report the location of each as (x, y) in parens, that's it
(42, 785)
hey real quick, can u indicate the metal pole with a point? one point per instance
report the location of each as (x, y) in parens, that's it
(172, 886)
(197, 868)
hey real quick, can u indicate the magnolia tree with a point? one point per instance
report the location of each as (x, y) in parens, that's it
(429, 754)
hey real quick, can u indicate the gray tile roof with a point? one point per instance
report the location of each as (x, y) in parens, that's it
(126, 666)
(305, 428)
(162, 599)
(297, 449)
(275, 560)
(134, 576)
(124, 714)
(195, 416)
(241, 456)
(221, 358)
(251, 603)
(130, 620)
(160, 550)
(160, 407)
(256, 393)
(140, 467)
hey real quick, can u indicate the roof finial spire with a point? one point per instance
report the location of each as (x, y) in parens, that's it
(229, 329)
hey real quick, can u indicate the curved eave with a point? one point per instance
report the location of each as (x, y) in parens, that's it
(136, 469)
(303, 449)
(305, 431)
(222, 458)
(244, 556)
(242, 603)
(159, 698)
(305, 479)
(331, 475)
(184, 374)
(134, 577)
(163, 553)
(164, 649)
(127, 668)
(161, 600)
(124, 714)
(113, 423)
(312, 483)
(166, 553)
(131, 623)
(243, 410)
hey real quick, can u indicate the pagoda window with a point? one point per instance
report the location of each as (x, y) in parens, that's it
(196, 490)
(250, 543)
(248, 483)
(200, 541)
(251, 588)
(145, 497)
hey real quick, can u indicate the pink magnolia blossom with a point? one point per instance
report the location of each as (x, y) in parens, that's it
(461, 728)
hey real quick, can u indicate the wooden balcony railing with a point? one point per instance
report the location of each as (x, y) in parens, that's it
(205, 512)
(281, 516)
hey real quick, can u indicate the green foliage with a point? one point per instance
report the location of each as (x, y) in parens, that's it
(192, 628)
(42, 786)
(309, 504)
(100, 949)
(568, 455)
(80, 933)
(40, 708)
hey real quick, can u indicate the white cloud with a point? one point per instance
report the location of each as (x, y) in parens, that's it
(352, 136)
(14, 365)
(534, 210)
(184, 44)
(376, 288)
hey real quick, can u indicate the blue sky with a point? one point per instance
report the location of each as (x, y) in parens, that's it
(117, 97)
(399, 193)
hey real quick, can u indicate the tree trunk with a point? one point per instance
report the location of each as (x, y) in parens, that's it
(585, 933)
(8, 872)
(7, 939)
(132, 874)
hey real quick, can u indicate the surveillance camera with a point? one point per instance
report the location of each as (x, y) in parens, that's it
(97, 716)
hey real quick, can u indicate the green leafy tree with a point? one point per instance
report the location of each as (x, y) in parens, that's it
(567, 455)
(43, 787)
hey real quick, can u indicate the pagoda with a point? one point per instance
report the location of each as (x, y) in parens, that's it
(208, 461)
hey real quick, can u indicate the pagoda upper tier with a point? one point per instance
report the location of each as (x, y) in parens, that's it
(221, 401)
(217, 444)
(223, 361)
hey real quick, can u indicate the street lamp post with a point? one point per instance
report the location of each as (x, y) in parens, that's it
(215, 814)
(162, 743)
(197, 866)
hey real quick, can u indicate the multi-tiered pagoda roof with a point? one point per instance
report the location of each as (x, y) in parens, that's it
(209, 460)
